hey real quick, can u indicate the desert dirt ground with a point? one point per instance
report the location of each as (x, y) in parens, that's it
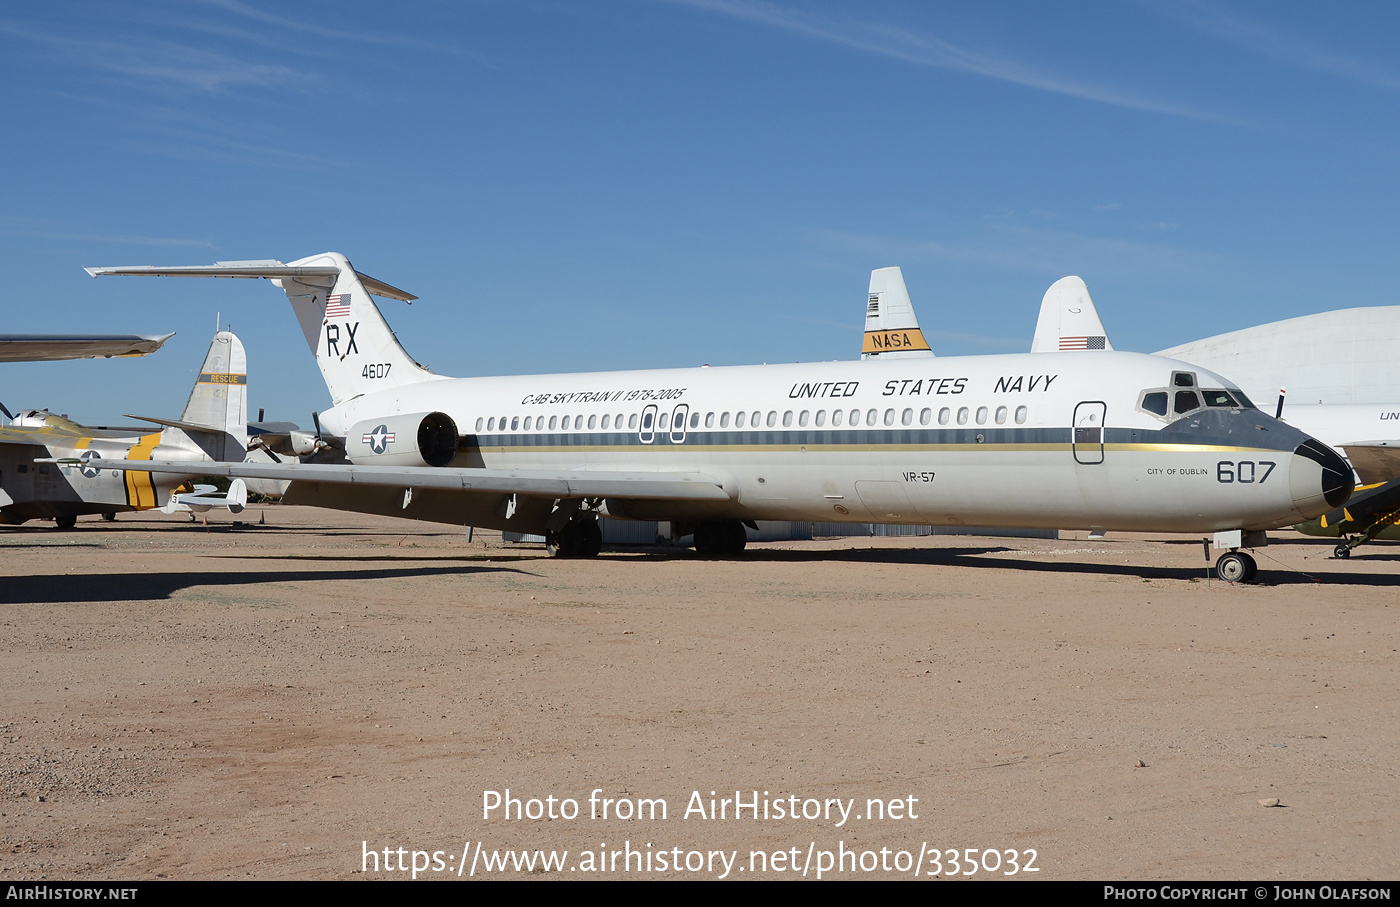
(273, 701)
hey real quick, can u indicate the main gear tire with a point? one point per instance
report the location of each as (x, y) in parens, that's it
(737, 537)
(590, 539)
(564, 543)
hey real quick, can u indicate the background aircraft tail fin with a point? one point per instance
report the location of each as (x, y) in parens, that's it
(218, 403)
(891, 327)
(215, 420)
(1068, 320)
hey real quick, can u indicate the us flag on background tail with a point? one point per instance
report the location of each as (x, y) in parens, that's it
(1080, 343)
(339, 307)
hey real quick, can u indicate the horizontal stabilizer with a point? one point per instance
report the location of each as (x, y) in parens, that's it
(176, 423)
(324, 275)
(567, 483)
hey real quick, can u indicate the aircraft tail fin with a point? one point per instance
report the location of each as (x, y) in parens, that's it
(353, 345)
(891, 327)
(1068, 320)
(216, 414)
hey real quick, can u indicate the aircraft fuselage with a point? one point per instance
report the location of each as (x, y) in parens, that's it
(1048, 440)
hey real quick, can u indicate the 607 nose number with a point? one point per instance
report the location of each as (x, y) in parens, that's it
(1246, 472)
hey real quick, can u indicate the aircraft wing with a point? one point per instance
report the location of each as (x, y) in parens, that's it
(53, 430)
(47, 347)
(1376, 462)
(29, 436)
(564, 483)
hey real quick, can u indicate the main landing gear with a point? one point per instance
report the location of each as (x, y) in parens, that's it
(720, 538)
(578, 538)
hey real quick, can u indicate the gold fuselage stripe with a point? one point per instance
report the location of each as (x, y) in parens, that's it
(848, 448)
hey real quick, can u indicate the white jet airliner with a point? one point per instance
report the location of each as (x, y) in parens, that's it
(1016, 440)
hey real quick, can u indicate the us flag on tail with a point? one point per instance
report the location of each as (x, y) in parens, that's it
(1083, 343)
(339, 306)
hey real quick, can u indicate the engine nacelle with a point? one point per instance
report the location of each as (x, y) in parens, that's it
(414, 439)
(304, 443)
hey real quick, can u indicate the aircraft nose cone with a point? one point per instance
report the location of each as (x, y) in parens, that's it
(1321, 481)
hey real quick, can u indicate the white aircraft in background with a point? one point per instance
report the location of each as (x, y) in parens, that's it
(1342, 356)
(1018, 440)
(34, 486)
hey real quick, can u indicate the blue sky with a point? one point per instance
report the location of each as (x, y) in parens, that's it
(642, 183)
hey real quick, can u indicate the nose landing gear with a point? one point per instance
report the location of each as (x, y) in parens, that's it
(1236, 567)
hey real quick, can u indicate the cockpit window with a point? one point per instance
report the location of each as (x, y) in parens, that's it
(1184, 396)
(1186, 401)
(1155, 403)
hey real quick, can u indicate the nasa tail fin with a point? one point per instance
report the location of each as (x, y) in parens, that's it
(891, 327)
(215, 419)
(353, 345)
(1068, 320)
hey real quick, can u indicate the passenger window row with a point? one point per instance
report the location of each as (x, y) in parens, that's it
(495, 424)
(855, 418)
